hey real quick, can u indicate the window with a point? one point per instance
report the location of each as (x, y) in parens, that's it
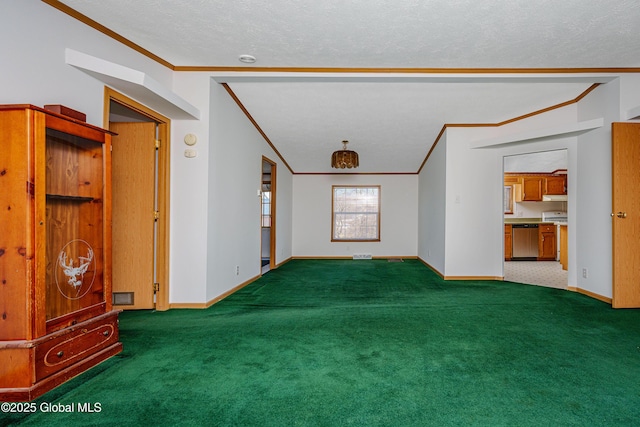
(507, 199)
(355, 214)
(266, 205)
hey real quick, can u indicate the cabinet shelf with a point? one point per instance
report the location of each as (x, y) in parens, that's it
(69, 198)
(56, 265)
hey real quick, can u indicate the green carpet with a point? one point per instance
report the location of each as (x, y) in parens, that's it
(367, 343)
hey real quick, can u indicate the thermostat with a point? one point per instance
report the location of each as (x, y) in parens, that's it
(190, 139)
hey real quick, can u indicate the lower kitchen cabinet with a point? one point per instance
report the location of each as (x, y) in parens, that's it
(508, 245)
(547, 242)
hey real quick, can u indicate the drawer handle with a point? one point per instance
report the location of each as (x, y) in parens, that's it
(60, 354)
(105, 333)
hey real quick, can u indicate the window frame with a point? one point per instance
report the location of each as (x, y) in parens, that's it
(333, 213)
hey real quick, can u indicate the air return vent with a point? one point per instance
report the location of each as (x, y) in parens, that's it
(123, 298)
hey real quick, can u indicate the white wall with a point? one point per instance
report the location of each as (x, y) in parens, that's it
(432, 208)
(189, 190)
(202, 189)
(594, 192)
(312, 216)
(34, 38)
(534, 209)
(473, 177)
(474, 227)
(234, 205)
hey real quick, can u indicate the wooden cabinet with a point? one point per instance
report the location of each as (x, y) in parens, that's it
(532, 188)
(55, 250)
(547, 242)
(508, 242)
(556, 185)
(564, 247)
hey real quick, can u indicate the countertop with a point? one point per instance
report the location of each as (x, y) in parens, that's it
(532, 221)
(525, 221)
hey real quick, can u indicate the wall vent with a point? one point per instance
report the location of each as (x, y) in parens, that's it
(122, 298)
(361, 256)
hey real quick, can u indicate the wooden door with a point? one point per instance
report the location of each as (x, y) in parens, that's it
(625, 216)
(134, 188)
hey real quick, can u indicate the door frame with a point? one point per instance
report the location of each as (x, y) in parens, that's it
(163, 202)
(272, 234)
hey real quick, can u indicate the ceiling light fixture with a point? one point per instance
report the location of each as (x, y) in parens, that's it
(344, 158)
(247, 59)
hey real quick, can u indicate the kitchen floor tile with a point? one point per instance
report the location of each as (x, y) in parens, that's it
(541, 273)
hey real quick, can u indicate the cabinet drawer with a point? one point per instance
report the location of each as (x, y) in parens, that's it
(546, 228)
(73, 346)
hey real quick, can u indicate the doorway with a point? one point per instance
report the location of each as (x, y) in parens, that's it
(268, 215)
(140, 203)
(524, 176)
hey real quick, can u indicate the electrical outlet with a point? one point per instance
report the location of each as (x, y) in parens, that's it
(237, 270)
(585, 273)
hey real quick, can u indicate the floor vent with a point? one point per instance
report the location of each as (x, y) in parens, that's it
(395, 260)
(361, 256)
(123, 298)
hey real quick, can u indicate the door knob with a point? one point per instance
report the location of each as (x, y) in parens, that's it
(621, 214)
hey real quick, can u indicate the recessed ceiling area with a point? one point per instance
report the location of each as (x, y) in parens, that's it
(387, 76)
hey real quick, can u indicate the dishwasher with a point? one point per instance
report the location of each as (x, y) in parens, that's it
(525, 242)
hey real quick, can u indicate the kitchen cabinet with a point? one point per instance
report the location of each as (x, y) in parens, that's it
(547, 242)
(556, 185)
(55, 250)
(508, 245)
(532, 187)
(564, 247)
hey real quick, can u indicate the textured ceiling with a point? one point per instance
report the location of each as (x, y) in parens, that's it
(306, 118)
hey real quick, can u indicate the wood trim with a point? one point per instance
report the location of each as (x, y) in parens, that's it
(499, 278)
(219, 298)
(111, 94)
(355, 173)
(255, 124)
(401, 70)
(189, 68)
(435, 270)
(106, 31)
(433, 147)
(443, 277)
(164, 187)
(515, 119)
(107, 218)
(590, 294)
(536, 174)
(272, 211)
(339, 257)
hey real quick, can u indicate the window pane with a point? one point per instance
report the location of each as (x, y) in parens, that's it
(266, 209)
(356, 213)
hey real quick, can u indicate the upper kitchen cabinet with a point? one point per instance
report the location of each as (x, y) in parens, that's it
(556, 185)
(532, 188)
